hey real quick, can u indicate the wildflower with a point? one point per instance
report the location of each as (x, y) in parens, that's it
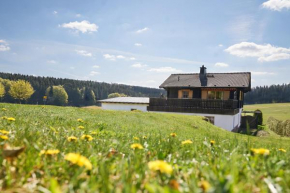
(81, 127)
(212, 142)
(49, 152)
(204, 185)
(94, 132)
(144, 137)
(4, 117)
(4, 137)
(79, 160)
(80, 120)
(4, 132)
(136, 146)
(283, 150)
(174, 184)
(11, 119)
(161, 166)
(260, 151)
(87, 137)
(186, 142)
(72, 138)
(3, 109)
(173, 134)
(136, 138)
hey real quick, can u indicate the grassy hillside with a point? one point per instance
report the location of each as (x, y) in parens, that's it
(279, 111)
(213, 160)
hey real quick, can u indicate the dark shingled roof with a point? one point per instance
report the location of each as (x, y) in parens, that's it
(131, 100)
(229, 80)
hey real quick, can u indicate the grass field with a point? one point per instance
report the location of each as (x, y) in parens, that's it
(279, 111)
(195, 155)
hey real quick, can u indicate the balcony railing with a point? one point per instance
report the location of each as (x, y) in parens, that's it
(195, 105)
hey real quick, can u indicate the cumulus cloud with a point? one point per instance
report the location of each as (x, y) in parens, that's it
(139, 65)
(264, 53)
(120, 57)
(51, 61)
(220, 64)
(84, 53)
(262, 73)
(83, 26)
(93, 73)
(164, 69)
(4, 46)
(96, 66)
(276, 5)
(138, 44)
(220, 45)
(109, 57)
(115, 57)
(142, 30)
(54, 12)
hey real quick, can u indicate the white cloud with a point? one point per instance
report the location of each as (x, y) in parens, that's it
(142, 30)
(164, 69)
(132, 58)
(115, 57)
(93, 73)
(276, 5)
(138, 44)
(84, 53)
(109, 57)
(83, 26)
(54, 12)
(96, 66)
(4, 46)
(220, 64)
(138, 65)
(220, 45)
(51, 61)
(78, 15)
(120, 57)
(264, 53)
(262, 73)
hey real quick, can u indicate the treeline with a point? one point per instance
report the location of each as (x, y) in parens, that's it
(268, 94)
(80, 93)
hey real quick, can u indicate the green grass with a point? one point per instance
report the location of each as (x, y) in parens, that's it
(227, 166)
(279, 111)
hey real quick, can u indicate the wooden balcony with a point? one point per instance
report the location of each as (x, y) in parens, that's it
(225, 107)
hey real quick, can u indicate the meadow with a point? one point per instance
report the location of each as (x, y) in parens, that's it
(68, 149)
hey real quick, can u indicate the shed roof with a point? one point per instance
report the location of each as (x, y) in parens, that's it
(230, 80)
(129, 100)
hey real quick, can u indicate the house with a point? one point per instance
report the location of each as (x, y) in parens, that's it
(125, 103)
(216, 96)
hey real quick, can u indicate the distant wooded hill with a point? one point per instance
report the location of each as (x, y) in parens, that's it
(74, 89)
(268, 94)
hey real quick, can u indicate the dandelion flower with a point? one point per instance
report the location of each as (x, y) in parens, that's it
(260, 151)
(4, 117)
(11, 119)
(186, 142)
(212, 142)
(79, 160)
(204, 185)
(4, 132)
(72, 138)
(4, 137)
(3, 109)
(136, 138)
(144, 137)
(93, 132)
(161, 166)
(87, 137)
(49, 152)
(136, 146)
(80, 120)
(283, 150)
(81, 127)
(173, 134)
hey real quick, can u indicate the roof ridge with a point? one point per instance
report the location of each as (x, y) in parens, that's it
(214, 73)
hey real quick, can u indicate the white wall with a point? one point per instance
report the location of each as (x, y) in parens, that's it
(124, 107)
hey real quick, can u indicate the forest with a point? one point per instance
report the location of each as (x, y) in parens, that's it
(80, 93)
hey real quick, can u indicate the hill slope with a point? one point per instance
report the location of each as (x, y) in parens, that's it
(226, 165)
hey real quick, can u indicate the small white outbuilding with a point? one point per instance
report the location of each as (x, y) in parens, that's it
(125, 103)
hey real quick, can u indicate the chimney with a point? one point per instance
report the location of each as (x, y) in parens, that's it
(202, 76)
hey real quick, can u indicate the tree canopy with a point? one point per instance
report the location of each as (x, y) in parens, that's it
(21, 90)
(57, 95)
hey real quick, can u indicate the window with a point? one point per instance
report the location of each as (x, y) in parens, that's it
(185, 94)
(215, 95)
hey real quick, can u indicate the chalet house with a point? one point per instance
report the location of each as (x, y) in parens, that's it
(216, 96)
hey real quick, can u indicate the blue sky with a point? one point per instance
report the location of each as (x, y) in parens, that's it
(142, 42)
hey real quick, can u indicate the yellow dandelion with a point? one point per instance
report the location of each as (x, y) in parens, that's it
(283, 150)
(81, 127)
(161, 166)
(144, 137)
(136, 146)
(4, 117)
(186, 142)
(11, 119)
(87, 137)
(93, 132)
(3, 109)
(4, 137)
(72, 138)
(260, 151)
(204, 185)
(80, 120)
(79, 160)
(49, 152)
(136, 138)
(173, 134)
(212, 142)
(4, 132)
